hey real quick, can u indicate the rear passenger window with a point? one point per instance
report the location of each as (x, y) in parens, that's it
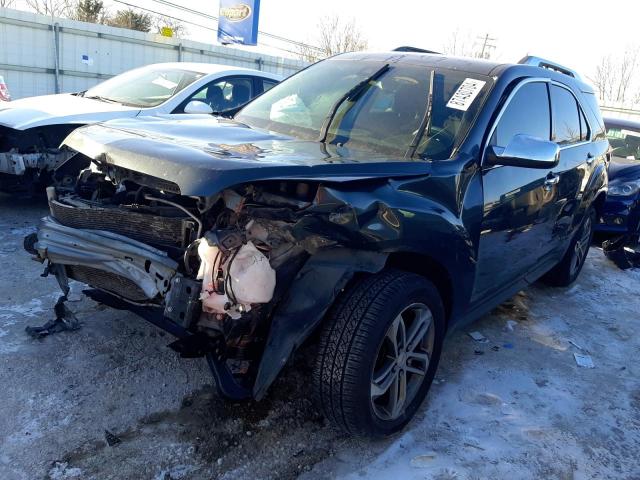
(584, 126)
(566, 116)
(527, 113)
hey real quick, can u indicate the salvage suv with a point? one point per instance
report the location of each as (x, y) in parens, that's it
(366, 205)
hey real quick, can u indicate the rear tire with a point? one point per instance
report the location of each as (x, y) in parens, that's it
(567, 271)
(378, 353)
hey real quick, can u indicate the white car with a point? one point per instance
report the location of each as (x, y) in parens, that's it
(32, 129)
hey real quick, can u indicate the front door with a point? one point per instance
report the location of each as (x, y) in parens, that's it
(518, 202)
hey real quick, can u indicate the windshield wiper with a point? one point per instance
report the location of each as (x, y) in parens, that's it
(103, 99)
(351, 95)
(425, 124)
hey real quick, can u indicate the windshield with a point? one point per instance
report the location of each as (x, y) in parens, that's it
(143, 87)
(386, 115)
(625, 143)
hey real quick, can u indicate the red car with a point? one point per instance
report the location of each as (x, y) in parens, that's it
(4, 91)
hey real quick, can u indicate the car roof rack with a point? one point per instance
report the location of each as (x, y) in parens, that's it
(414, 50)
(549, 65)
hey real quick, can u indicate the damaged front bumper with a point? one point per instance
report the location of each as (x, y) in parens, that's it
(14, 163)
(139, 273)
(131, 275)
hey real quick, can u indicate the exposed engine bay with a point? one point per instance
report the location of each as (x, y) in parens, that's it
(215, 266)
(30, 156)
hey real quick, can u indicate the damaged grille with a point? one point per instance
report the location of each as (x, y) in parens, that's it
(146, 228)
(107, 281)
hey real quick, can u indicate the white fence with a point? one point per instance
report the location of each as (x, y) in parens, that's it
(40, 55)
(619, 112)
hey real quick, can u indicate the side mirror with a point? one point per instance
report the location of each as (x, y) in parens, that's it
(525, 151)
(196, 106)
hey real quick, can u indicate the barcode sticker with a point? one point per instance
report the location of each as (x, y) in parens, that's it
(465, 94)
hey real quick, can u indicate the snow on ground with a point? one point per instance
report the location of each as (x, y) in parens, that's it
(523, 408)
(517, 406)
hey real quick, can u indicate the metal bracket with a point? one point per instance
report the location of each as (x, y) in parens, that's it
(183, 301)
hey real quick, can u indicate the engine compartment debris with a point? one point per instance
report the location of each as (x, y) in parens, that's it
(65, 321)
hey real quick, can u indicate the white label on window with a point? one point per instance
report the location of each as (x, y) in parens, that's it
(465, 94)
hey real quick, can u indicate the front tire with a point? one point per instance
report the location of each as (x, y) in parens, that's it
(379, 352)
(567, 271)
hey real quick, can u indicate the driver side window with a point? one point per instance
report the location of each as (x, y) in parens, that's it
(223, 94)
(527, 113)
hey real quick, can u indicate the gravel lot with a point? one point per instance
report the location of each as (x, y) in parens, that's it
(516, 406)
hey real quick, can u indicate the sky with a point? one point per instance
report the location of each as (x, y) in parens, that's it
(574, 33)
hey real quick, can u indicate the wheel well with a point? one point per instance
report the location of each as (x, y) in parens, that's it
(428, 268)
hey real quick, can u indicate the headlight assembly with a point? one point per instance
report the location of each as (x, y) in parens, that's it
(624, 189)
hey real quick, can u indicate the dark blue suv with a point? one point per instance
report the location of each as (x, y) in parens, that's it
(368, 205)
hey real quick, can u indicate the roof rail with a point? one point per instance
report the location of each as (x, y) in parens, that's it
(549, 65)
(414, 50)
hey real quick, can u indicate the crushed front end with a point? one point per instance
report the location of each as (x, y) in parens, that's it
(29, 157)
(210, 270)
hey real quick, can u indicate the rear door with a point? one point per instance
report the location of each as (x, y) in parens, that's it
(572, 132)
(518, 203)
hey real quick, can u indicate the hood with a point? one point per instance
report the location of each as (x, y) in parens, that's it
(622, 169)
(59, 109)
(203, 155)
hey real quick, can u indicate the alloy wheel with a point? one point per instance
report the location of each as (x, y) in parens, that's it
(402, 361)
(582, 245)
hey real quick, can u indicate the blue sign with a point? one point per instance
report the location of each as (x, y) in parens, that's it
(238, 21)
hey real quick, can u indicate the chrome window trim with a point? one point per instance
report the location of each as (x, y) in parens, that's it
(522, 83)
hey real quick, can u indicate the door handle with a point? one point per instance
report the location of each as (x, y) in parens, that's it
(590, 158)
(550, 181)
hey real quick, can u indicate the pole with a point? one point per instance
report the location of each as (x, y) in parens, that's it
(484, 45)
(56, 51)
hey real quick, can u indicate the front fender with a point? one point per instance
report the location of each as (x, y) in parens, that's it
(312, 293)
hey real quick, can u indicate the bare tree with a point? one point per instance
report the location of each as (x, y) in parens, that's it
(334, 36)
(469, 44)
(7, 3)
(52, 8)
(615, 78)
(178, 28)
